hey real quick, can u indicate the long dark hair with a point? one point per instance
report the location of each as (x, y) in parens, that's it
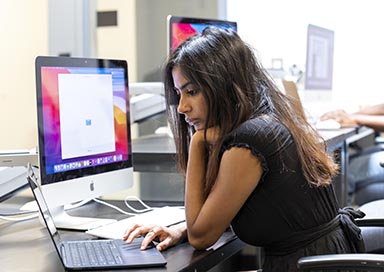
(236, 88)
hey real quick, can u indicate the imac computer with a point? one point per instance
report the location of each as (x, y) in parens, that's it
(84, 133)
(181, 28)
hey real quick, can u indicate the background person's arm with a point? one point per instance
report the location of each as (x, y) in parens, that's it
(373, 121)
(372, 116)
(372, 110)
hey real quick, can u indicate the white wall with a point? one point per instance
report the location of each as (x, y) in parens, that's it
(23, 30)
(119, 41)
(71, 28)
(151, 26)
(277, 29)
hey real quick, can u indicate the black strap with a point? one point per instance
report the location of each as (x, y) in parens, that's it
(347, 217)
(345, 220)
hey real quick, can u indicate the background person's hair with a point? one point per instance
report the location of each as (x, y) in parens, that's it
(237, 88)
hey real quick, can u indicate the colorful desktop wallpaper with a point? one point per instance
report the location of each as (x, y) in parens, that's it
(51, 120)
(182, 31)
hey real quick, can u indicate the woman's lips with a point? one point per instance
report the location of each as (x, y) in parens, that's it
(192, 122)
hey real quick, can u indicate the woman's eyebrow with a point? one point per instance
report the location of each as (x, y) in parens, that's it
(183, 86)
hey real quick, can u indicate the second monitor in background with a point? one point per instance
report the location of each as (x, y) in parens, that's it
(181, 28)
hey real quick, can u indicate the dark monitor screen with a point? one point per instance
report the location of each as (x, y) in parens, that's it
(181, 28)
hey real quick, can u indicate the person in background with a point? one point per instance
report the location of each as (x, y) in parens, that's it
(370, 116)
(249, 159)
(366, 175)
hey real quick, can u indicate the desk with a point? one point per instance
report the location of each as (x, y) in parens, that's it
(156, 153)
(26, 246)
(338, 141)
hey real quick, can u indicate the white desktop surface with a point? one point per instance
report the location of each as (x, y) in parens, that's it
(18, 157)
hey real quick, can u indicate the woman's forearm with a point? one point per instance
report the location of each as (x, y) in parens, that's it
(195, 176)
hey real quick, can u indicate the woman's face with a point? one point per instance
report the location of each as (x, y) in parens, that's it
(192, 103)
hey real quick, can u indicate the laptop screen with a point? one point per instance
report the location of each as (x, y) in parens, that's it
(43, 208)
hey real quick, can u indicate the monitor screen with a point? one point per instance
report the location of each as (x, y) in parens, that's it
(83, 127)
(181, 28)
(319, 60)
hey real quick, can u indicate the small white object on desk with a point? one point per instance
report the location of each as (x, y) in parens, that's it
(328, 124)
(164, 216)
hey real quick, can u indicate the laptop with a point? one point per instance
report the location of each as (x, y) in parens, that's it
(94, 254)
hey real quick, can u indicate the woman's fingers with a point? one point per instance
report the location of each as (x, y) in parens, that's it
(164, 236)
(129, 230)
(135, 231)
(148, 238)
(164, 244)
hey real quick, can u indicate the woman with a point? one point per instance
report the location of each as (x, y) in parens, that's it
(250, 160)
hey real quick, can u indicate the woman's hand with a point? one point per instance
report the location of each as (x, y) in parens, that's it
(166, 236)
(212, 135)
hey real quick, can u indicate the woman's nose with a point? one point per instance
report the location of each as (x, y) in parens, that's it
(183, 106)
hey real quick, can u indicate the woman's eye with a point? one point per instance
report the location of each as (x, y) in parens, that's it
(192, 91)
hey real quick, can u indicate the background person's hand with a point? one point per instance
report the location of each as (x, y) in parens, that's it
(340, 116)
(165, 236)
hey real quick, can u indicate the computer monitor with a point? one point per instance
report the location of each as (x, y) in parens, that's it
(319, 59)
(84, 132)
(181, 28)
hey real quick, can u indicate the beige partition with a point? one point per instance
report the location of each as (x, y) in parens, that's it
(23, 28)
(119, 41)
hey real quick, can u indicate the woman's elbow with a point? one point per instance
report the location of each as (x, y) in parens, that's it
(200, 243)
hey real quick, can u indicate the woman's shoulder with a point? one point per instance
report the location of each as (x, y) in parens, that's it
(258, 131)
(262, 125)
(263, 135)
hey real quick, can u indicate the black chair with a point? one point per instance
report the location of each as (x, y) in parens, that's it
(366, 172)
(372, 227)
(350, 262)
(374, 214)
(369, 196)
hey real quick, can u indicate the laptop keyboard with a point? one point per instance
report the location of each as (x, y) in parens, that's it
(92, 253)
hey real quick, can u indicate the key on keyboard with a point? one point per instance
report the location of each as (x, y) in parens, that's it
(92, 253)
(164, 216)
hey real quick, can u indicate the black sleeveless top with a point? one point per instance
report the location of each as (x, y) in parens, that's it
(284, 214)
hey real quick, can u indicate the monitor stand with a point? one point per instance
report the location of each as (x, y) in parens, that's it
(65, 221)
